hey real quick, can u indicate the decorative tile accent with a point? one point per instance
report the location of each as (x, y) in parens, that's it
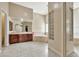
(51, 25)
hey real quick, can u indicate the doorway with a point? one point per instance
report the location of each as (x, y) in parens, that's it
(4, 27)
(75, 30)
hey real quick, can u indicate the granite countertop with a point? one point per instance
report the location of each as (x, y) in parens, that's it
(20, 32)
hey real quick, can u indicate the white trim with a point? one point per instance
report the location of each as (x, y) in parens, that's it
(57, 52)
(7, 26)
(68, 53)
(0, 31)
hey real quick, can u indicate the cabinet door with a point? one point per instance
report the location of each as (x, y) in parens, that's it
(13, 39)
(30, 37)
(23, 38)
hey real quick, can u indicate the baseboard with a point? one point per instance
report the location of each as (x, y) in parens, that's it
(0, 51)
(6, 45)
(70, 52)
(57, 52)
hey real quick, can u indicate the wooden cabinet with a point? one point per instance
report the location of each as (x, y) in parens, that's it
(23, 38)
(17, 38)
(13, 38)
(29, 36)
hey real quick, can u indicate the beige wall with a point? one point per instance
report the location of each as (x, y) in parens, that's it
(56, 45)
(4, 6)
(38, 24)
(20, 12)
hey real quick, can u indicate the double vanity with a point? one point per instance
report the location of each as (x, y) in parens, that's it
(20, 37)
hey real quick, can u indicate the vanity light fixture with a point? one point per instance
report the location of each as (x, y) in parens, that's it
(21, 19)
(2, 14)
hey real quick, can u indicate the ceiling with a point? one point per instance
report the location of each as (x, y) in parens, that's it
(38, 7)
(76, 5)
(41, 7)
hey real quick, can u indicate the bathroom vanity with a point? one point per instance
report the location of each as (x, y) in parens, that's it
(20, 37)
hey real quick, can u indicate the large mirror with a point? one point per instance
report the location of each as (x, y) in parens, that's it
(20, 25)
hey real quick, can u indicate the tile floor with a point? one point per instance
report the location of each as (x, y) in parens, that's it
(32, 49)
(76, 52)
(52, 54)
(27, 49)
(73, 55)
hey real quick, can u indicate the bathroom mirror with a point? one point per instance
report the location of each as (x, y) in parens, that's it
(10, 26)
